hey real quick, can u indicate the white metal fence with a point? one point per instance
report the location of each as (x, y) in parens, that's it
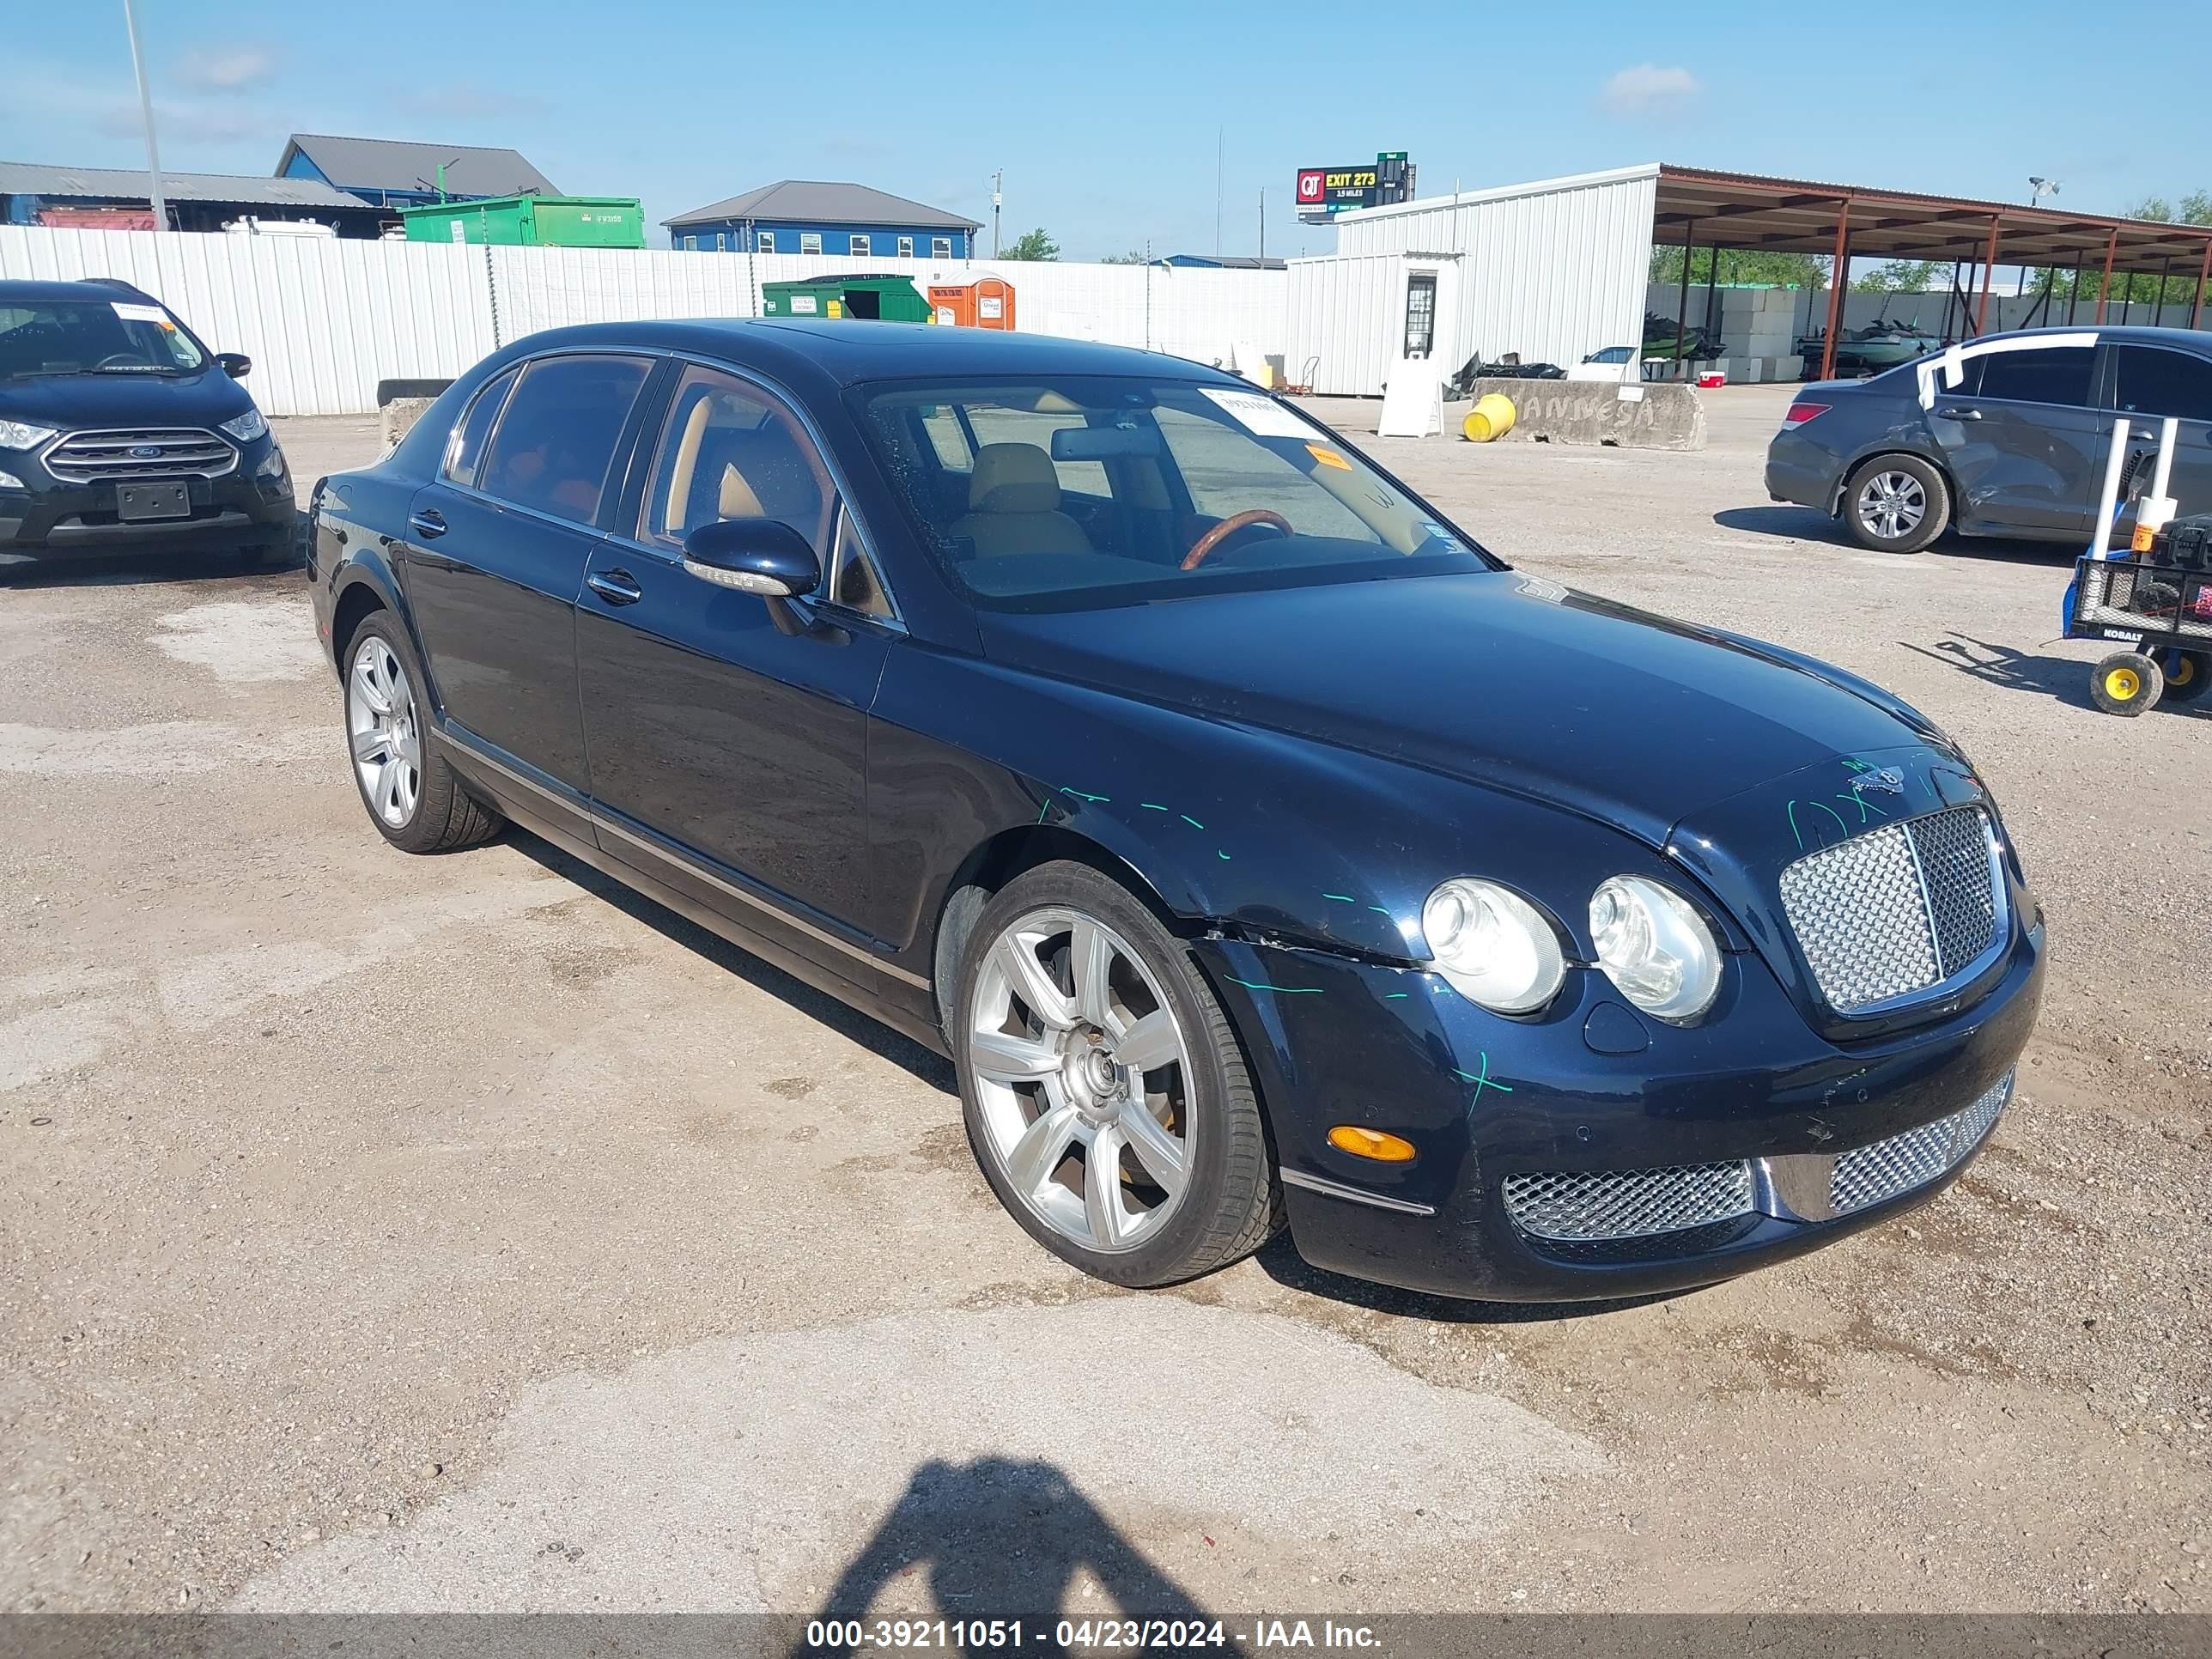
(325, 319)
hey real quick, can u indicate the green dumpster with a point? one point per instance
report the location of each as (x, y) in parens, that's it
(531, 222)
(883, 297)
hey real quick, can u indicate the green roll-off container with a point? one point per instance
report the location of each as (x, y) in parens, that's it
(531, 222)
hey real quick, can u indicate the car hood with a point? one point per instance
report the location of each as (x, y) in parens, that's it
(1504, 680)
(207, 398)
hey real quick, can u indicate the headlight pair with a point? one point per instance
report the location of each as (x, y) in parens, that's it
(1497, 949)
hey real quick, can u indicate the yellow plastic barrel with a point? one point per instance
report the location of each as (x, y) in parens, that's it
(1491, 418)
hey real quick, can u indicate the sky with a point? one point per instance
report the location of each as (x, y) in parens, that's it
(1108, 119)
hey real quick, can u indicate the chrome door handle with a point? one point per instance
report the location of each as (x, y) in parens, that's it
(429, 524)
(614, 587)
(1959, 414)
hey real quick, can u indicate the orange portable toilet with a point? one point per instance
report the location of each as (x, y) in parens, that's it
(988, 303)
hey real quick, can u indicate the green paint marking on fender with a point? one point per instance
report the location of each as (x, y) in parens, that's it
(1222, 856)
(1378, 909)
(1341, 898)
(1484, 1081)
(1395, 996)
(1279, 990)
(1080, 795)
(1792, 810)
(1191, 821)
(1152, 806)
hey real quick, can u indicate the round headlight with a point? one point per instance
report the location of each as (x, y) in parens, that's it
(1655, 947)
(1492, 946)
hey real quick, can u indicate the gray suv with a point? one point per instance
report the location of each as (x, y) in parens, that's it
(2016, 447)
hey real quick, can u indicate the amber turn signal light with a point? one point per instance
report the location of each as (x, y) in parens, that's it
(1371, 1143)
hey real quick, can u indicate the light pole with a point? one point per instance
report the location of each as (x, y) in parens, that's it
(2038, 189)
(146, 108)
(997, 179)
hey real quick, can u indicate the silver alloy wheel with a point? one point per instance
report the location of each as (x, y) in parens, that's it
(1083, 1079)
(387, 742)
(1891, 505)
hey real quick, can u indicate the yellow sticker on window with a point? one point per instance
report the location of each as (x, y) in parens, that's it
(1328, 457)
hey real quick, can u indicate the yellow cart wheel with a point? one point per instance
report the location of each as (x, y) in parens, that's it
(2125, 682)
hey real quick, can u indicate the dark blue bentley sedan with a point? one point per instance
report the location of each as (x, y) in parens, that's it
(1259, 848)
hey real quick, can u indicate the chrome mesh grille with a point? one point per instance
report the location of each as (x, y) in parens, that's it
(1887, 1168)
(1584, 1204)
(1896, 910)
(179, 452)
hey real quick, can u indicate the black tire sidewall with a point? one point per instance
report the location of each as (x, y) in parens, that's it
(1932, 524)
(1177, 1252)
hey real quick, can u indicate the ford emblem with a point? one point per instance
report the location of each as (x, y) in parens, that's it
(145, 452)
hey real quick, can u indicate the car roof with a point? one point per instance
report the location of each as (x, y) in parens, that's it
(848, 351)
(27, 291)
(2138, 331)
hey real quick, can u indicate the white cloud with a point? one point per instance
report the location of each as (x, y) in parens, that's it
(227, 69)
(1648, 90)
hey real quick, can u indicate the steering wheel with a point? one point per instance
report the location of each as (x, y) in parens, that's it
(1228, 526)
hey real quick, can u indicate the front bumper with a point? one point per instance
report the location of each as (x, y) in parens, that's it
(238, 509)
(1589, 1087)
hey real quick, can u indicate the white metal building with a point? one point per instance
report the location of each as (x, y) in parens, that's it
(1553, 270)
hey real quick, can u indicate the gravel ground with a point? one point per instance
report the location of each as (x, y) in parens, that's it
(407, 1233)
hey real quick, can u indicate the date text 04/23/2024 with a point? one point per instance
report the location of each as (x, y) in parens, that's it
(1083, 1635)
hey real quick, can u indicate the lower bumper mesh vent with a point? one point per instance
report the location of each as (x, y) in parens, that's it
(1887, 1168)
(1602, 1204)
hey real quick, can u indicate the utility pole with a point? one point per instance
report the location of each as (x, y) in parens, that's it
(146, 109)
(1263, 223)
(1220, 149)
(2038, 189)
(997, 179)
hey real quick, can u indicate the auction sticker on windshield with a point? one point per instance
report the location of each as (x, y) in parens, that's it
(137, 313)
(1262, 416)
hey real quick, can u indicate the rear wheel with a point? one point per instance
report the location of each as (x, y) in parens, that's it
(2126, 682)
(1896, 504)
(1105, 1097)
(414, 798)
(2187, 673)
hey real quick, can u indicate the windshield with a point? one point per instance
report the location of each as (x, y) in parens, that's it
(82, 337)
(1092, 492)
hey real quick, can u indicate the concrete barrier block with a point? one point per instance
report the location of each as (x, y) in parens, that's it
(1594, 412)
(400, 415)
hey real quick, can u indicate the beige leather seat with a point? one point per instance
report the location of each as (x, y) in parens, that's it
(1013, 505)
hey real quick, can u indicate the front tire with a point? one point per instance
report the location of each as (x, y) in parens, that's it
(1106, 1099)
(1896, 504)
(2126, 682)
(416, 801)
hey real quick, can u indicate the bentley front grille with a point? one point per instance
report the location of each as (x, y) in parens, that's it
(1897, 912)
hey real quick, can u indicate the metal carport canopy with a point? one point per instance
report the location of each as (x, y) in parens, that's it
(1701, 209)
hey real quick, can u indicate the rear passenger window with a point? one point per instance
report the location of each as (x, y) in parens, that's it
(2055, 374)
(555, 443)
(728, 450)
(2152, 381)
(465, 449)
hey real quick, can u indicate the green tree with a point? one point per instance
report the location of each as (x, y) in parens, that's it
(1132, 258)
(2141, 287)
(1741, 265)
(1036, 245)
(1900, 277)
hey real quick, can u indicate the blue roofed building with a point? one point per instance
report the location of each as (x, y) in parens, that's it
(806, 215)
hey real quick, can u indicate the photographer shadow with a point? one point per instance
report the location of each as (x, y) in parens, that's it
(1005, 1539)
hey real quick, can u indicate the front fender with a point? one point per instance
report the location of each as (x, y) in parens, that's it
(1270, 837)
